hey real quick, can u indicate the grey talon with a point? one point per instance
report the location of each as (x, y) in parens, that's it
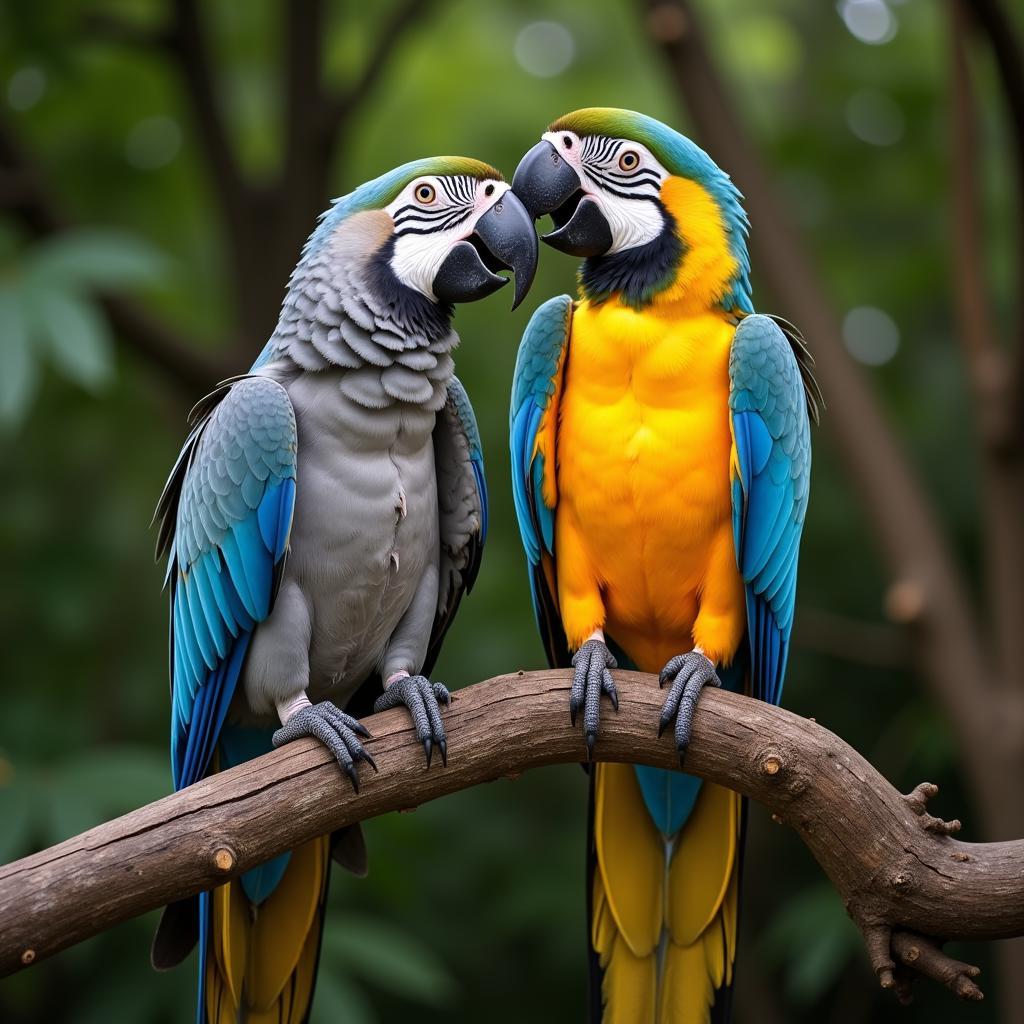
(689, 674)
(443, 747)
(334, 729)
(422, 699)
(591, 678)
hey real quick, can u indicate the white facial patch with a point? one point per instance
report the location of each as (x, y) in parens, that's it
(624, 178)
(431, 214)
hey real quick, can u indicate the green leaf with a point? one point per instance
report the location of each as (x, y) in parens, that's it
(19, 374)
(388, 958)
(97, 258)
(77, 336)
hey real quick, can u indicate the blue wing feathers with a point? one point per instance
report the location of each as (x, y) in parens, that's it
(481, 489)
(459, 465)
(772, 432)
(233, 497)
(539, 365)
(534, 384)
(545, 515)
(233, 559)
(524, 428)
(466, 419)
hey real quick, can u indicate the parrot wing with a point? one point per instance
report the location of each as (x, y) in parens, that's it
(533, 424)
(225, 517)
(462, 508)
(772, 395)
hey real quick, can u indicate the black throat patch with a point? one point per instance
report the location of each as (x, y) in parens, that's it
(636, 275)
(411, 310)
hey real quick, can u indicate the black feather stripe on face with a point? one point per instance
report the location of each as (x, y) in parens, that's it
(411, 310)
(417, 219)
(600, 163)
(636, 275)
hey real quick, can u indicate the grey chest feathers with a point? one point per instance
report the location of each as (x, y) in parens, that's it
(366, 381)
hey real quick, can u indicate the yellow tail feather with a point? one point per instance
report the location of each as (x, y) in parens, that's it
(664, 917)
(262, 961)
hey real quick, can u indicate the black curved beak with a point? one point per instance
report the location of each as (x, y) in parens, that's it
(548, 185)
(503, 239)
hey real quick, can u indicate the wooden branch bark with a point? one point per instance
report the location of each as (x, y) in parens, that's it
(905, 881)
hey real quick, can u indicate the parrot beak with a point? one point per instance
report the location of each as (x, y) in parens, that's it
(548, 185)
(503, 239)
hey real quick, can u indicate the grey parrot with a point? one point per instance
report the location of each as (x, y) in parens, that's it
(322, 522)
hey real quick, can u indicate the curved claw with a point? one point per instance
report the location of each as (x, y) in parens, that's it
(689, 674)
(335, 730)
(423, 700)
(591, 678)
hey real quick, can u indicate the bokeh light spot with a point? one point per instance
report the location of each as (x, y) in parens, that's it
(25, 87)
(870, 21)
(152, 143)
(544, 48)
(870, 335)
(875, 118)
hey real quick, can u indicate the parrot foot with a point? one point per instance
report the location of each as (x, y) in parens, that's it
(590, 678)
(339, 732)
(689, 674)
(422, 698)
(918, 803)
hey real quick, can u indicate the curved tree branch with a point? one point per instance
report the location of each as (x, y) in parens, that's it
(905, 881)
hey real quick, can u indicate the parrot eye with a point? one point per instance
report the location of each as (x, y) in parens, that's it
(489, 190)
(425, 193)
(629, 161)
(567, 141)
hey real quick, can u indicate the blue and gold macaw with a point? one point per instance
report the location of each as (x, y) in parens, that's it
(660, 459)
(324, 519)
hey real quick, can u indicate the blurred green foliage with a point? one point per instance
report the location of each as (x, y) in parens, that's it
(474, 905)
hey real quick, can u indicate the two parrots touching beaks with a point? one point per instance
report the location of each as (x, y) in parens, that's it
(328, 512)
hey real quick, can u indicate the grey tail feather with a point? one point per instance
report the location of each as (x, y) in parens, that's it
(176, 934)
(812, 389)
(167, 507)
(348, 849)
(805, 361)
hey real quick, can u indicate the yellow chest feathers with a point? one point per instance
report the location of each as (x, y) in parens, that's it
(643, 477)
(644, 426)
